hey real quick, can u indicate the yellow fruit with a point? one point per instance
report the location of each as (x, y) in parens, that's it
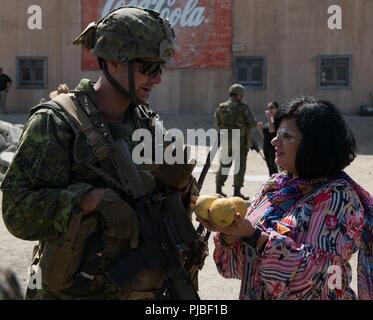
(203, 205)
(222, 212)
(240, 205)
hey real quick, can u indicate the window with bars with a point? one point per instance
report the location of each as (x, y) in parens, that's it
(250, 72)
(32, 72)
(334, 72)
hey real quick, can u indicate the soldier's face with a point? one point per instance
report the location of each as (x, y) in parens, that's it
(144, 83)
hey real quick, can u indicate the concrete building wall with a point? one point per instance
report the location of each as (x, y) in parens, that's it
(291, 34)
(60, 21)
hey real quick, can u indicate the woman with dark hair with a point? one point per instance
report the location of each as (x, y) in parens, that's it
(268, 132)
(306, 222)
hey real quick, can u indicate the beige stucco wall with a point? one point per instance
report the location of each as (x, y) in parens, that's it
(49, 42)
(182, 90)
(290, 33)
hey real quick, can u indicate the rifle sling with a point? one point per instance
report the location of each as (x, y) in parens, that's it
(84, 123)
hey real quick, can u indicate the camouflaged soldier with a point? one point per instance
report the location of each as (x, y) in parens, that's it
(9, 286)
(62, 188)
(234, 114)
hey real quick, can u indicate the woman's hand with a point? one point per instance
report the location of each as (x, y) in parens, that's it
(207, 224)
(239, 228)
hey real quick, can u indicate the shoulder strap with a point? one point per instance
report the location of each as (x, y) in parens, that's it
(75, 112)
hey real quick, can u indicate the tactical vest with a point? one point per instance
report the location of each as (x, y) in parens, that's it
(60, 259)
(230, 115)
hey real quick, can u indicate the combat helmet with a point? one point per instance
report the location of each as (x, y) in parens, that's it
(237, 89)
(128, 34)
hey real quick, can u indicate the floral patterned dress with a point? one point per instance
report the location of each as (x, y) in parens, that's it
(314, 226)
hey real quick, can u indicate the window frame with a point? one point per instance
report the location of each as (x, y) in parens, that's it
(248, 86)
(334, 86)
(32, 83)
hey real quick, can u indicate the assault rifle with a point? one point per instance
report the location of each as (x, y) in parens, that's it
(166, 232)
(199, 252)
(169, 238)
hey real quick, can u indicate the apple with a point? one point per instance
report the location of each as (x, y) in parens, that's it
(240, 205)
(222, 212)
(203, 205)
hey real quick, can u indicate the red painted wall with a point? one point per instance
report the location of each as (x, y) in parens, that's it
(203, 29)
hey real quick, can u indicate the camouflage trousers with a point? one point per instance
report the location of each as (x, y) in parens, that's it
(226, 162)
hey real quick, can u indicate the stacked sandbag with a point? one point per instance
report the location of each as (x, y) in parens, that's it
(9, 137)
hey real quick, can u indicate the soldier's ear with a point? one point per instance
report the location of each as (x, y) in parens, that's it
(113, 66)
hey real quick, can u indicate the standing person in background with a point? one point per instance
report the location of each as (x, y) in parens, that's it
(268, 133)
(5, 84)
(301, 231)
(234, 114)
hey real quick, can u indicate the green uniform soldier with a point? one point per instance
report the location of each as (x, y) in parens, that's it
(9, 286)
(63, 189)
(234, 114)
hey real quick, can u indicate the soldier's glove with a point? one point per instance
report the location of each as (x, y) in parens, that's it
(176, 176)
(118, 218)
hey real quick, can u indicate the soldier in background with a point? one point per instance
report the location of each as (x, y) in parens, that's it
(5, 84)
(62, 187)
(234, 114)
(9, 286)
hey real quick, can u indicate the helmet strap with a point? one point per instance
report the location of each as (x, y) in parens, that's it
(131, 95)
(131, 79)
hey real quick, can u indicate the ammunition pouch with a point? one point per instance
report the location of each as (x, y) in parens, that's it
(62, 257)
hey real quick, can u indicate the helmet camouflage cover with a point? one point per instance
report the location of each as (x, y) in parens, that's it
(128, 33)
(237, 89)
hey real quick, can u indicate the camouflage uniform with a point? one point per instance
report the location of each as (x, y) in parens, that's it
(9, 286)
(234, 114)
(45, 184)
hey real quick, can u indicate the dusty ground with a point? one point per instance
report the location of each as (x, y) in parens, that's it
(16, 254)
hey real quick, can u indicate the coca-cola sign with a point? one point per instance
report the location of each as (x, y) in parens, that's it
(203, 29)
(188, 15)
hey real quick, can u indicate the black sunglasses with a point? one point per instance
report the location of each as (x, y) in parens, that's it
(150, 68)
